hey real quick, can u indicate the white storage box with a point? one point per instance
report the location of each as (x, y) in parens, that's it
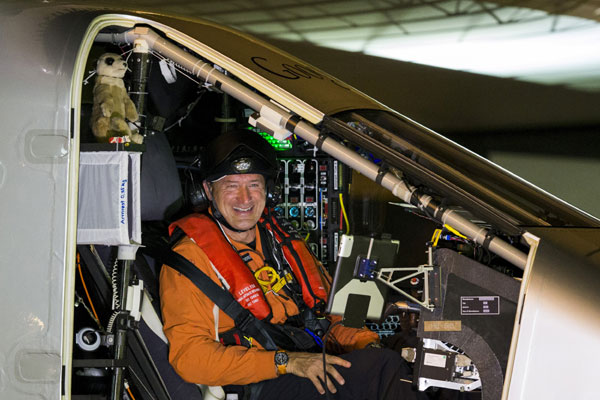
(109, 198)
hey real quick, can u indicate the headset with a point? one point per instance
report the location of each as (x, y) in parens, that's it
(194, 190)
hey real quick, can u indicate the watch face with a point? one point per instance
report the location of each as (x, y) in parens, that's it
(281, 358)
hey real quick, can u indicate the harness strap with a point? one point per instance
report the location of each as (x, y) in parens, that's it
(243, 318)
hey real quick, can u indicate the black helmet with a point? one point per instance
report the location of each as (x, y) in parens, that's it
(239, 152)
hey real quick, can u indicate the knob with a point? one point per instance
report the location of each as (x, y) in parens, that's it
(294, 212)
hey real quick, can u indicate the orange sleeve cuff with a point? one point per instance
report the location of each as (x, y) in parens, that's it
(364, 339)
(351, 338)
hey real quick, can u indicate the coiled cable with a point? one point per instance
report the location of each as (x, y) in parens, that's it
(116, 302)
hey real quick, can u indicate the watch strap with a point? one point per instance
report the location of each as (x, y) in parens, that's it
(281, 365)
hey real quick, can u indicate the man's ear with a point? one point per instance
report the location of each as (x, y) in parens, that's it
(207, 190)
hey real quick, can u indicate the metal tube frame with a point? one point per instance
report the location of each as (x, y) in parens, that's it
(421, 269)
(308, 132)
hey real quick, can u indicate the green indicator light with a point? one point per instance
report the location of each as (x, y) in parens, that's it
(279, 145)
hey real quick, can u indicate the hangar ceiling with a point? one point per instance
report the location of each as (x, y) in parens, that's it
(548, 42)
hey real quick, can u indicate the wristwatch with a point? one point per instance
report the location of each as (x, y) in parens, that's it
(281, 361)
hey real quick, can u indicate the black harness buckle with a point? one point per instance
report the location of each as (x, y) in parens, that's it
(245, 320)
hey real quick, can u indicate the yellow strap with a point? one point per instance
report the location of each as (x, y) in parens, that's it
(277, 287)
(273, 275)
(457, 233)
(282, 282)
(436, 237)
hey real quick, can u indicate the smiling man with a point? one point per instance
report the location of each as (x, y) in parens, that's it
(270, 272)
(240, 199)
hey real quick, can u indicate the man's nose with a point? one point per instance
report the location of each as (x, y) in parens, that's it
(244, 194)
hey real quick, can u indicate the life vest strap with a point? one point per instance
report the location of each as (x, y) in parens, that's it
(242, 318)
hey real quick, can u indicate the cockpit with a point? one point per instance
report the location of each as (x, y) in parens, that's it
(426, 242)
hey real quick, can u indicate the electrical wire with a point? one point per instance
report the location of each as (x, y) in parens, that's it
(189, 110)
(116, 303)
(111, 321)
(99, 261)
(182, 70)
(127, 53)
(344, 213)
(145, 128)
(86, 290)
(94, 72)
(140, 386)
(79, 300)
(114, 277)
(90, 74)
(126, 384)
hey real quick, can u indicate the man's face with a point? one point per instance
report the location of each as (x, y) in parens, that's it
(240, 198)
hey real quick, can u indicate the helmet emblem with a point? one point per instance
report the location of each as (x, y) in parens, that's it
(242, 165)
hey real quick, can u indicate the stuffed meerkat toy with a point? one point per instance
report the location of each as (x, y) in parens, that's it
(112, 105)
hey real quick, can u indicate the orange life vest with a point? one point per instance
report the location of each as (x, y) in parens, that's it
(304, 265)
(241, 281)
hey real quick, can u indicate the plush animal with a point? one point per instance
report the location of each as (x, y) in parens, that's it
(112, 105)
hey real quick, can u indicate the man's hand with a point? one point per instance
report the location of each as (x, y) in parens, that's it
(310, 365)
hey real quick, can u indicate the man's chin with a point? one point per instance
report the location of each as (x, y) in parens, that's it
(244, 226)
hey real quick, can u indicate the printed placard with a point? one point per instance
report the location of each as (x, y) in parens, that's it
(442, 326)
(435, 360)
(479, 305)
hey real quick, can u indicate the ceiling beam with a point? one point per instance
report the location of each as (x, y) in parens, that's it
(589, 9)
